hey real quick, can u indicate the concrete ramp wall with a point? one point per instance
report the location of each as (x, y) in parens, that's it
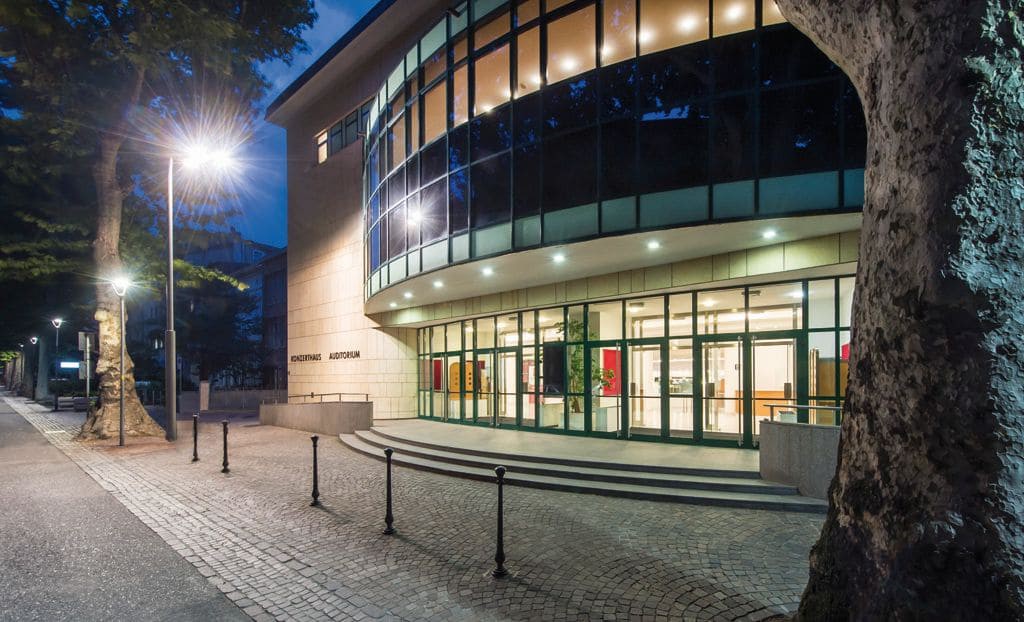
(800, 454)
(329, 418)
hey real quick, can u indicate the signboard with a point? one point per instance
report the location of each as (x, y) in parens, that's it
(69, 364)
(83, 372)
(83, 337)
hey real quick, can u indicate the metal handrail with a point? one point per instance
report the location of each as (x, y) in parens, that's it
(835, 409)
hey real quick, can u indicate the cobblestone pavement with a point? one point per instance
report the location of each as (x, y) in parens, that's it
(253, 534)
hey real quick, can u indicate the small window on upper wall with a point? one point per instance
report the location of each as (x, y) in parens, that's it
(665, 25)
(619, 31)
(321, 147)
(770, 13)
(732, 16)
(352, 128)
(571, 44)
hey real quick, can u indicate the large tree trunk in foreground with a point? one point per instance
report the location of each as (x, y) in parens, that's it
(104, 421)
(926, 517)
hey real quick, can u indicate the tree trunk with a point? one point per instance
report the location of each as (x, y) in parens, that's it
(926, 516)
(103, 422)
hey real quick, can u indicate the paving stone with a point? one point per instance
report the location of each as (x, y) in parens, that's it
(571, 556)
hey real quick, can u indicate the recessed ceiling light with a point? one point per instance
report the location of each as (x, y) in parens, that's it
(607, 50)
(799, 293)
(488, 271)
(570, 64)
(687, 23)
(438, 284)
(393, 305)
(646, 36)
(558, 258)
(407, 295)
(769, 234)
(709, 303)
(734, 12)
(654, 245)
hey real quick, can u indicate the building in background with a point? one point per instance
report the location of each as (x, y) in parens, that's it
(621, 218)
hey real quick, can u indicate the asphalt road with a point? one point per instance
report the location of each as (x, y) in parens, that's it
(70, 551)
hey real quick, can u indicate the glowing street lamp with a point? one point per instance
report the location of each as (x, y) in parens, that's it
(197, 157)
(120, 285)
(56, 324)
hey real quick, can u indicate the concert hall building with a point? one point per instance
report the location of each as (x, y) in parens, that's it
(633, 219)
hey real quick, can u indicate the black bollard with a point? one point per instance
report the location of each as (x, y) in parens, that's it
(195, 437)
(499, 555)
(316, 476)
(389, 518)
(225, 469)
(56, 401)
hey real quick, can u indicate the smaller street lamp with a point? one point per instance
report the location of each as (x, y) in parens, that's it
(56, 324)
(120, 285)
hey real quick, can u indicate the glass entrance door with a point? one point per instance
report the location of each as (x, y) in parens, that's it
(645, 382)
(506, 385)
(604, 388)
(722, 405)
(774, 372)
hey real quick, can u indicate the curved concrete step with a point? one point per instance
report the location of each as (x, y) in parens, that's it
(574, 462)
(602, 474)
(792, 503)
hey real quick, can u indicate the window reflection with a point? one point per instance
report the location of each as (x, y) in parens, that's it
(667, 24)
(434, 112)
(528, 62)
(492, 80)
(733, 16)
(571, 45)
(619, 31)
(460, 96)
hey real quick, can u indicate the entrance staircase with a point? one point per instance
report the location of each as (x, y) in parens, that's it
(693, 485)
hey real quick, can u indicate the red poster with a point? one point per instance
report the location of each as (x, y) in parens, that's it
(438, 374)
(844, 352)
(611, 360)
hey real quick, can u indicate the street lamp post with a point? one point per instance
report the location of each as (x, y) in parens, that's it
(120, 286)
(170, 350)
(56, 324)
(35, 374)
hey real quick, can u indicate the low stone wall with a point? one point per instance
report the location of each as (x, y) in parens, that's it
(330, 418)
(800, 455)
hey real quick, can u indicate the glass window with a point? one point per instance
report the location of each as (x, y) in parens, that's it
(434, 161)
(414, 126)
(459, 49)
(799, 130)
(618, 91)
(844, 361)
(570, 105)
(733, 147)
(352, 128)
(434, 211)
(673, 150)
(618, 159)
(484, 332)
(375, 247)
(396, 81)
(574, 157)
(396, 187)
(413, 218)
(845, 301)
(645, 317)
(490, 134)
(770, 13)
(821, 364)
(720, 312)
(481, 8)
(733, 16)
(680, 314)
(667, 24)
(458, 147)
(321, 147)
(397, 137)
(528, 62)
(571, 44)
(492, 80)
(494, 28)
(619, 31)
(337, 138)
(605, 321)
(454, 337)
(549, 323)
(508, 330)
(738, 55)
(437, 340)
(460, 97)
(526, 181)
(574, 327)
(396, 231)
(434, 112)
(787, 55)
(527, 11)
(775, 307)
(821, 304)
(555, 4)
(458, 205)
(527, 119)
(491, 190)
(671, 79)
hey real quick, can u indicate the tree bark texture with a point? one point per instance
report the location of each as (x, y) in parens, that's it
(103, 422)
(926, 516)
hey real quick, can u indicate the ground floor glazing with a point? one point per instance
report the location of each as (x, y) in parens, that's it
(704, 366)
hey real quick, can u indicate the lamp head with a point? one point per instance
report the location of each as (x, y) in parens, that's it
(56, 322)
(203, 156)
(120, 284)
(34, 340)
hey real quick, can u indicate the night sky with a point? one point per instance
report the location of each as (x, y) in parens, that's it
(264, 217)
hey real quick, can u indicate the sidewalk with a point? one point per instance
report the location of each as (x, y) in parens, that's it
(70, 551)
(571, 556)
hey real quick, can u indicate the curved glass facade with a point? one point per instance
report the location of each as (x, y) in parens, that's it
(516, 125)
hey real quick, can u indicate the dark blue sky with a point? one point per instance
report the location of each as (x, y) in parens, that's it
(264, 205)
